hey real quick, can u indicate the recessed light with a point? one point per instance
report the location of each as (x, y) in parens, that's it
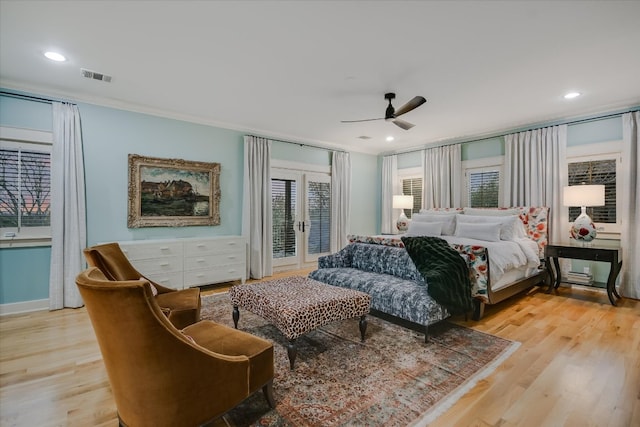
(55, 56)
(572, 95)
(389, 138)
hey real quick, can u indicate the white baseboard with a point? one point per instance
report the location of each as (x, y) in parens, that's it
(24, 307)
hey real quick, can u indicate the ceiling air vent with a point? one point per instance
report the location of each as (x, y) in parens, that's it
(95, 75)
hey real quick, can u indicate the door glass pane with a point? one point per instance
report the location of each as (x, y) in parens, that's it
(319, 200)
(283, 200)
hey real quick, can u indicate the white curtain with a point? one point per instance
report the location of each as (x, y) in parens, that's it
(442, 177)
(68, 218)
(340, 199)
(535, 164)
(630, 239)
(256, 207)
(390, 186)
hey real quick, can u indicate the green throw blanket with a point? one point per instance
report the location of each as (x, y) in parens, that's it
(444, 270)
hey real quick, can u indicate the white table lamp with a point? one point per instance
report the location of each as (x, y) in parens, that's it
(583, 195)
(402, 202)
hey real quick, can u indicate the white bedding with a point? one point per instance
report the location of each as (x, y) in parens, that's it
(504, 255)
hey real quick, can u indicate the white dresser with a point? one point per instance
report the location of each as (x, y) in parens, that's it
(182, 263)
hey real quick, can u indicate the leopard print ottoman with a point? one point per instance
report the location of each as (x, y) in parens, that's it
(296, 305)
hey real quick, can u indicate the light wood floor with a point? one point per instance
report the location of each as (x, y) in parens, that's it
(578, 365)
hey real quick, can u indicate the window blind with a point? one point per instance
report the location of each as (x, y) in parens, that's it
(319, 200)
(25, 188)
(596, 172)
(413, 187)
(283, 200)
(484, 189)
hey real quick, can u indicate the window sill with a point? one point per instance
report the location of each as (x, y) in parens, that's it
(25, 242)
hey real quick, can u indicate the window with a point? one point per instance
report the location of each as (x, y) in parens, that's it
(484, 186)
(25, 178)
(597, 163)
(483, 182)
(596, 172)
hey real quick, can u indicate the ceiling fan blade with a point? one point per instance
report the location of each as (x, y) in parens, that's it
(404, 125)
(414, 103)
(363, 120)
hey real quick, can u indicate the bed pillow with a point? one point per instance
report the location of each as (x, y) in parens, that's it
(519, 227)
(489, 232)
(448, 221)
(508, 230)
(420, 228)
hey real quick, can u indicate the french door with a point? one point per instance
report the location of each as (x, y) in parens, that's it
(301, 208)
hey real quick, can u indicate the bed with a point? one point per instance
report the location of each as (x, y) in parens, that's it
(500, 265)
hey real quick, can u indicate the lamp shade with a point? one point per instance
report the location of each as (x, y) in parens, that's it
(583, 195)
(402, 202)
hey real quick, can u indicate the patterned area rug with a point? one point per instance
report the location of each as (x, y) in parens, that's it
(394, 378)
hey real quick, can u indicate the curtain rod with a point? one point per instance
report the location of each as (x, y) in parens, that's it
(300, 144)
(531, 127)
(32, 98)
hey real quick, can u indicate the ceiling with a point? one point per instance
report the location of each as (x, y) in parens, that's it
(293, 70)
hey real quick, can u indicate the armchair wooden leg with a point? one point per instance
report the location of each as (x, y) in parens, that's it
(236, 316)
(267, 389)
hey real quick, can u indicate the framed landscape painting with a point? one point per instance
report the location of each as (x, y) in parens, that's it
(172, 192)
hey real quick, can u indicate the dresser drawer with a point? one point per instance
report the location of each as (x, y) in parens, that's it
(213, 261)
(158, 265)
(214, 246)
(207, 276)
(151, 250)
(171, 280)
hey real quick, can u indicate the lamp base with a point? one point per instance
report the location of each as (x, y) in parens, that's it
(583, 229)
(402, 223)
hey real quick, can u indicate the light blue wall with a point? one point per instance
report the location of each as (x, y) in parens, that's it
(366, 191)
(109, 135)
(20, 113)
(24, 274)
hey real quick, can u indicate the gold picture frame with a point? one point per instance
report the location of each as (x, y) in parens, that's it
(172, 192)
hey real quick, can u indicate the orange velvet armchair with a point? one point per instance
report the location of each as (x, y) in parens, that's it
(161, 376)
(181, 306)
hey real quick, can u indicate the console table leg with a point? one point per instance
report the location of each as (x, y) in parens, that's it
(363, 327)
(292, 352)
(551, 277)
(236, 316)
(611, 282)
(556, 263)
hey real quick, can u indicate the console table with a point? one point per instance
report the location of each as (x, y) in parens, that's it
(612, 255)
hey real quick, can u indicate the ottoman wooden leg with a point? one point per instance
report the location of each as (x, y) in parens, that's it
(236, 316)
(292, 352)
(363, 326)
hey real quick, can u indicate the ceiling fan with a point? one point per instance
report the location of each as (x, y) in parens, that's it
(392, 114)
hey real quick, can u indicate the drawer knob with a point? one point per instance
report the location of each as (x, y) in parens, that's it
(199, 260)
(164, 264)
(201, 245)
(164, 248)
